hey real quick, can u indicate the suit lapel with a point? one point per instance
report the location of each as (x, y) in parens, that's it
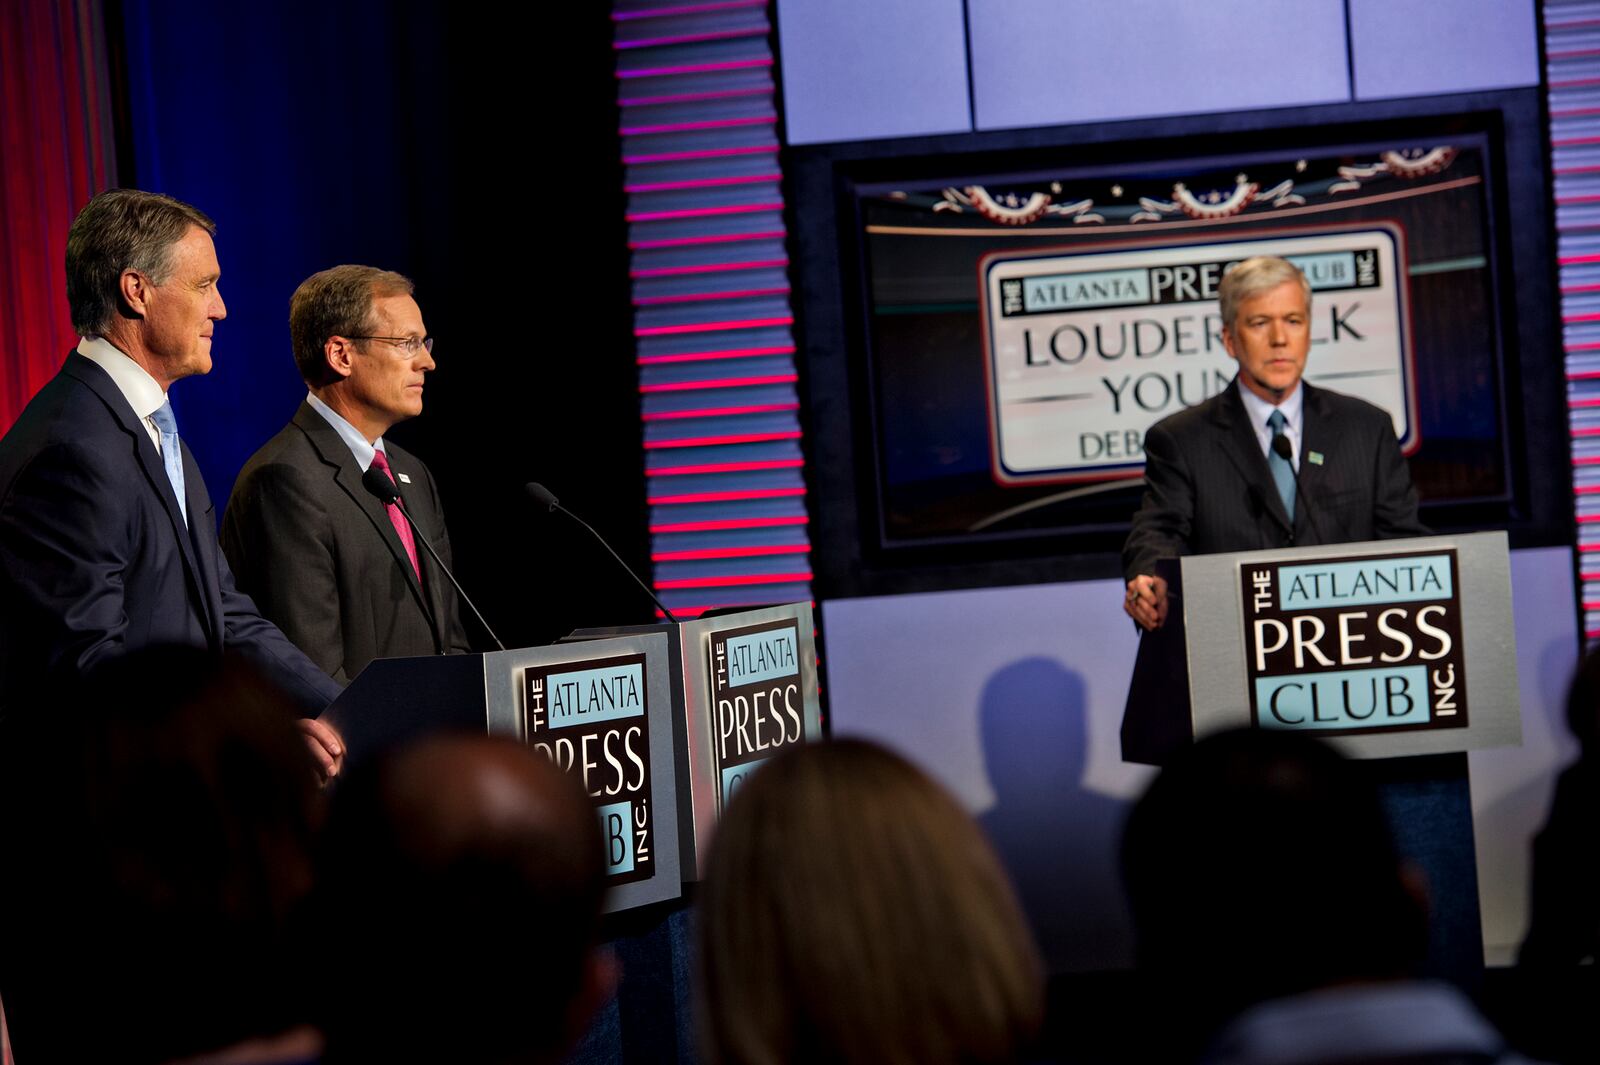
(1244, 451)
(202, 534)
(156, 474)
(335, 453)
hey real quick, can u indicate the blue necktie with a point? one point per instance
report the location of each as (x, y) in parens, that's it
(1282, 471)
(172, 454)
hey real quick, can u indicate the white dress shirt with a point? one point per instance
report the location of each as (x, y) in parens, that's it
(1260, 410)
(359, 446)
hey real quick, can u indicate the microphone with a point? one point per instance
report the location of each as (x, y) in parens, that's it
(378, 483)
(547, 499)
(1282, 448)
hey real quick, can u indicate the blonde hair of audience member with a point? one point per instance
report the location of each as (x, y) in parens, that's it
(853, 912)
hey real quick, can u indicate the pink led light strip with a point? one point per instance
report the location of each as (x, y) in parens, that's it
(702, 142)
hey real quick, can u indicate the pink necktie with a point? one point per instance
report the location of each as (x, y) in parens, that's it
(402, 527)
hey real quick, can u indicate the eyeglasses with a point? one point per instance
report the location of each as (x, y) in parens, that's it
(409, 345)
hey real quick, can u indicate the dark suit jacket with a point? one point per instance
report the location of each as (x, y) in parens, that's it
(94, 556)
(321, 556)
(1208, 488)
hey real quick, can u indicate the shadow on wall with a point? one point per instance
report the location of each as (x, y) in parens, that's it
(1058, 839)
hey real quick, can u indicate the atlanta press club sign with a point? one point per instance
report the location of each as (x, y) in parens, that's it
(757, 705)
(1355, 644)
(589, 718)
(1086, 350)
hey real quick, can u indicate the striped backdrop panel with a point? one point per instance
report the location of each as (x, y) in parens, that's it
(712, 316)
(1572, 65)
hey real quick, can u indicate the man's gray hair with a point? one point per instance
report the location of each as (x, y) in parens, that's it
(119, 230)
(1253, 277)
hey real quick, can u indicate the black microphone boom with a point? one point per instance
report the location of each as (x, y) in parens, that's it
(547, 499)
(1285, 451)
(378, 483)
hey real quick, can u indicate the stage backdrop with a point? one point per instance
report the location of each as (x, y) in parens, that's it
(55, 113)
(419, 137)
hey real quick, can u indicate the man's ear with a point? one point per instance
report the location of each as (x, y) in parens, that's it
(134, 288)
(340, 354)
(1227, 342)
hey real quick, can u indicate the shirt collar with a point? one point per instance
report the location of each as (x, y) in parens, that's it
(1260, 410)
(143, 392)
(357, 443)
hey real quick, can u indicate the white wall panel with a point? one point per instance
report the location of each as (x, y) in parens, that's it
(1042, 62)
(858, 69)
(1420, 47)
(1012, 698)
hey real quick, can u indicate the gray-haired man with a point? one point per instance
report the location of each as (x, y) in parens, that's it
(1214, 480)
(107, 535)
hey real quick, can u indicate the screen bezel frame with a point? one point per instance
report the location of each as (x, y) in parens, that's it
(829, 267)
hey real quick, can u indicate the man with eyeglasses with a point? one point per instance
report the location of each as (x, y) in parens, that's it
(335, 568)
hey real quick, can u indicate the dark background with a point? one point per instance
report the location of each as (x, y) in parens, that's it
(407, 137)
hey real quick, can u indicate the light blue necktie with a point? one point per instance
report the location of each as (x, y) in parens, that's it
(1282, 471)
(172, 454)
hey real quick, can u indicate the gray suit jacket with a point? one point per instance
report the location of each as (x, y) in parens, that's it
(320, 556)
(1208, 488)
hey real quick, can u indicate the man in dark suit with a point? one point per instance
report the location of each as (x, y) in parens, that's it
(329, 563)
(107, 534)
(1215, 477)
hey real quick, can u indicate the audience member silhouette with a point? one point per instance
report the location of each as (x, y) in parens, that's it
(463, 875)
(852, 912)
(1564, 923)
(159, 843)
(1265, 888)
(1559, 964)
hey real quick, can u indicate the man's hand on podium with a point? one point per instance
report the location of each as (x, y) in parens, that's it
(1146, 601)
(327, 747)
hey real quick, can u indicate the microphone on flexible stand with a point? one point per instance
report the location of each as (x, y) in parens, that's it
(547, 499)
(378, 483)
(1285, 451)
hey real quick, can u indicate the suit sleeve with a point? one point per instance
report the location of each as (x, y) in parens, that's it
(1394, 502)
(65, 544)
(1163, 522)
(280, 541)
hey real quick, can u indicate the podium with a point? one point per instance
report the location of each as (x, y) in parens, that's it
(602, 710)
(662, 722)
(1401, 653)
(1387, 649)
(747, 685)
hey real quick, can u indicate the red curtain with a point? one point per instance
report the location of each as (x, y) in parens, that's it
(55, 140)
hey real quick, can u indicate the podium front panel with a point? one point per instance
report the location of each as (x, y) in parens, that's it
(748, 681)
(602, 710)
(750, 690)
(1386, 649)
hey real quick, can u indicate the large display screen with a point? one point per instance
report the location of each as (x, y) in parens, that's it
(1024, 329)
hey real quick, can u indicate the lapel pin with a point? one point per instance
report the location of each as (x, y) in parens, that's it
(406, 480)
(1314, 457)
